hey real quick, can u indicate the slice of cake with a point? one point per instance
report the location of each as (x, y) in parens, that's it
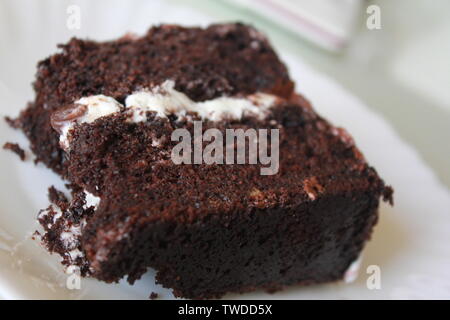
(210, 225)
(220, 60)
(187, 151)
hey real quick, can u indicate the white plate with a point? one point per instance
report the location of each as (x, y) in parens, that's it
(410, 244)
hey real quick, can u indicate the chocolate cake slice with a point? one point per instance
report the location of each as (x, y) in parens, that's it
(288, 199)
(220, 60)
(210, 228)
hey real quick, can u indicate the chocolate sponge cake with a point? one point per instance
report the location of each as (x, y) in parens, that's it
(220, 60)
(210, 228)
(188, 152)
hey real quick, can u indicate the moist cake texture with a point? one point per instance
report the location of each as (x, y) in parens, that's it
(207, 229)
(212, 229)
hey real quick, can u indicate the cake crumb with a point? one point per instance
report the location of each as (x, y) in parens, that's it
(14, 147)
(388, 195)
(13, 123)
(153, 296)
(57, 197)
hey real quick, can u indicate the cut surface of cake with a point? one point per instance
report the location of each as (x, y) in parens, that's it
(209, 229)
(110, 117)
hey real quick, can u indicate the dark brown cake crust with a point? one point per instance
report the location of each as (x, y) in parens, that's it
(204, 63)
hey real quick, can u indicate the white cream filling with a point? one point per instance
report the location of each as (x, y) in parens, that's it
(91, 200)
(70, 237)
(97, 106)
(165, 101)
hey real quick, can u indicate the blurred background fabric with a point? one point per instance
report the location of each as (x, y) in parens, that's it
(327, 23)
